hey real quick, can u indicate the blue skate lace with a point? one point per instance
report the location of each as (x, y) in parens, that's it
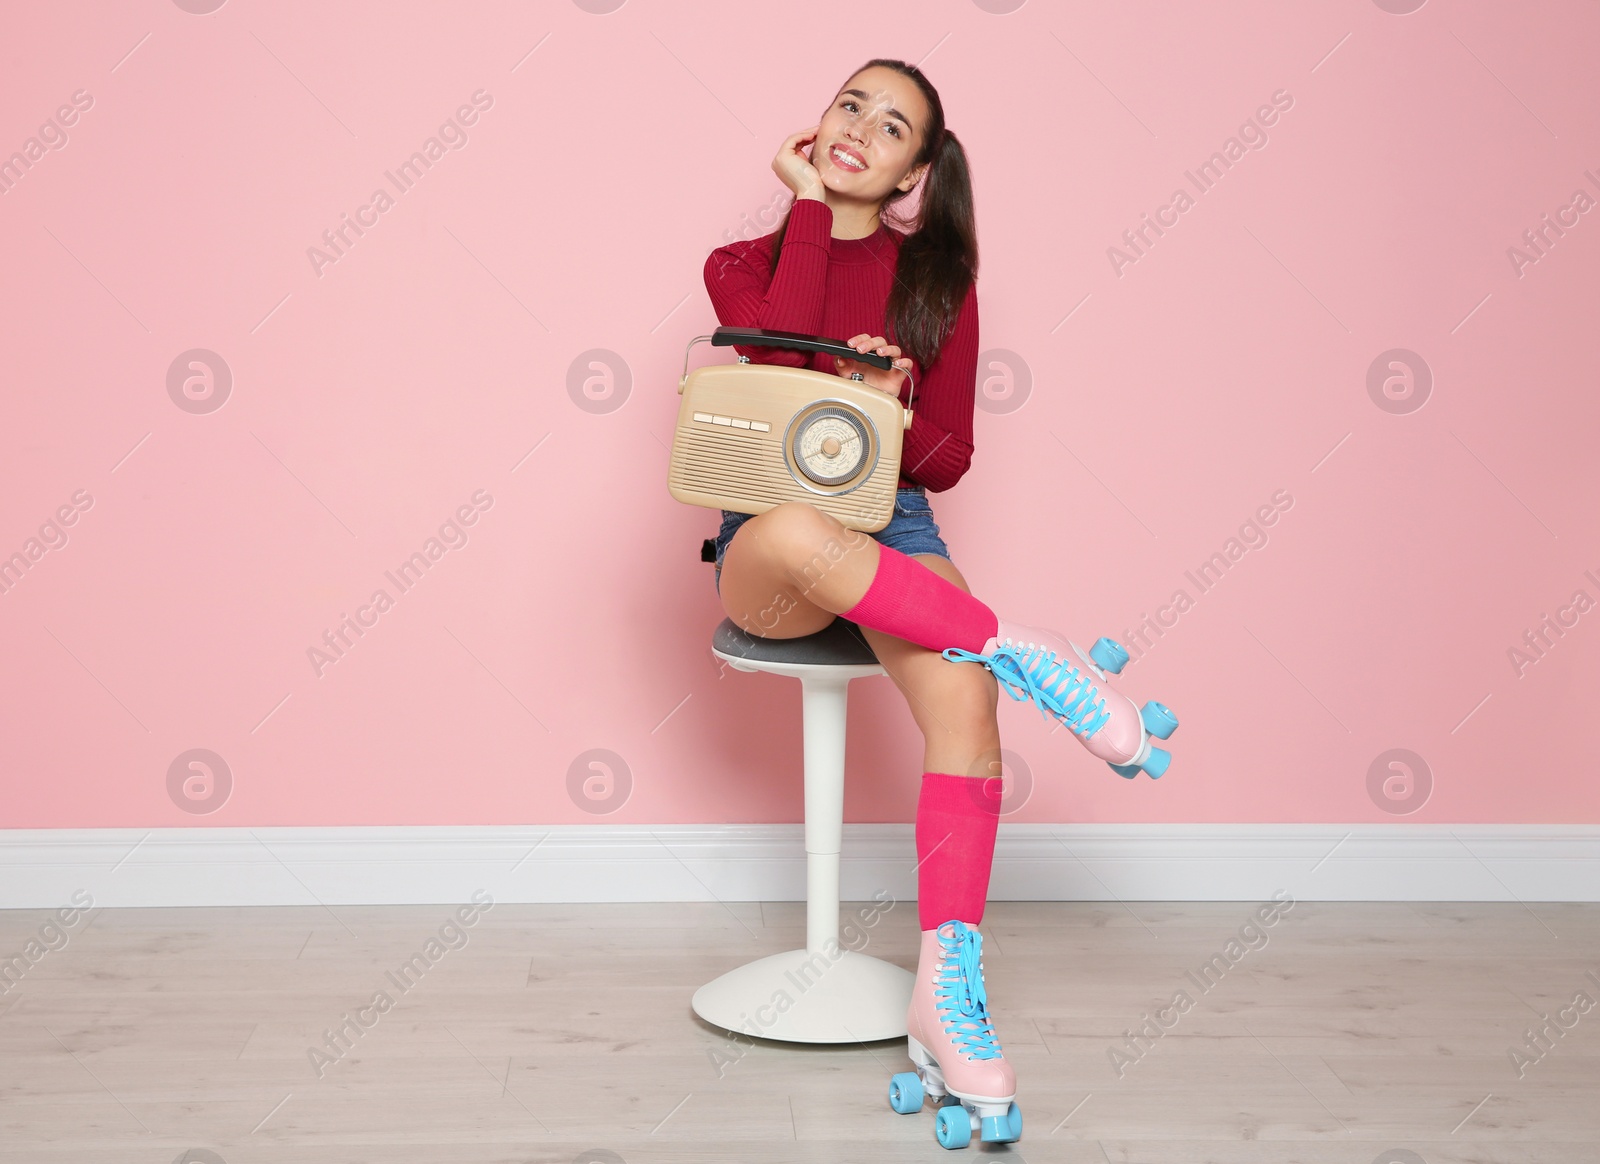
(1054, 685)
(961, 993)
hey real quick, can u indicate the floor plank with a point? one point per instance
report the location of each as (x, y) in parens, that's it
(1340, 1032)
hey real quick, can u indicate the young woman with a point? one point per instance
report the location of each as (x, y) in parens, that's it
(834, 268)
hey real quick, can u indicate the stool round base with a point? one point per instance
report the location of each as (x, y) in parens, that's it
(831, 995)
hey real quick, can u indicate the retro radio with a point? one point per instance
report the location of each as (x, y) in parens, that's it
(750, 436)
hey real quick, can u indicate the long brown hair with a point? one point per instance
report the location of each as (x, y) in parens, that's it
(939, 256)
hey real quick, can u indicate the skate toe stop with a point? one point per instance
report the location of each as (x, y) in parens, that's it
(1003, 1129)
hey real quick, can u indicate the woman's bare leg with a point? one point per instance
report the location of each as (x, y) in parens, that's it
(789, 571)
(954, 706)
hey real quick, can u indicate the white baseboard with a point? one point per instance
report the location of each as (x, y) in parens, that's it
(43, 868)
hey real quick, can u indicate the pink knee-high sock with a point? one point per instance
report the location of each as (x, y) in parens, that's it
(957, 818)
(911, 602)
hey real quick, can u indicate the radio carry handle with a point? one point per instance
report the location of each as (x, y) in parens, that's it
(761, 337)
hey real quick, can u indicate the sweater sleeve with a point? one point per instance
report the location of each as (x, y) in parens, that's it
(746, 292)
(937, 449)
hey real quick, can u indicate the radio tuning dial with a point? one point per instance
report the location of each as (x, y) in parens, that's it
(831, 445)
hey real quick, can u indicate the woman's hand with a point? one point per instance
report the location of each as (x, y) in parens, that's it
(795, 168)
(883, 379)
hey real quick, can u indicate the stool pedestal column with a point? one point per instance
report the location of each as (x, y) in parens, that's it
(823, 993)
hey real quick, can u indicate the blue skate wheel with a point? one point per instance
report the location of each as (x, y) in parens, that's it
(1014, 1117)
(1158, 720)
(953, 1128)
(1109, 655)
(1126, 771)
(1156, 765)
(905, 1092)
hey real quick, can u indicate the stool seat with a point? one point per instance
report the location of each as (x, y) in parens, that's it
(839, 644)
(843, 996)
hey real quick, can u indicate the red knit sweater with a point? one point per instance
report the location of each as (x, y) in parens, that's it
(838, 288)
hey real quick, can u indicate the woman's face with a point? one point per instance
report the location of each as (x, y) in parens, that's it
(879, 120)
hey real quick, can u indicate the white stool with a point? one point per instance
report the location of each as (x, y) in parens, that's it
(838, 995)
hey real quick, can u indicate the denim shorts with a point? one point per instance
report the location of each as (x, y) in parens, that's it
(911, 530)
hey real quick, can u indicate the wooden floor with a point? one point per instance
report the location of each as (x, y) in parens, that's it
(1356, 1031)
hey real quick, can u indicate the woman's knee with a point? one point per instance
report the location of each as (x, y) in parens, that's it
(757, 591)
(800, 537)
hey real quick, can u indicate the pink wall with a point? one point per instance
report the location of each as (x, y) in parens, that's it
(425, 375)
